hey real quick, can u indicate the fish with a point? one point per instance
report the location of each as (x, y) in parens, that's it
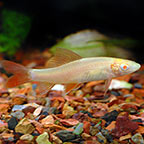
(70, 69)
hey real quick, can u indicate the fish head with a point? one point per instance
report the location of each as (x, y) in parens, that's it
(122, 67)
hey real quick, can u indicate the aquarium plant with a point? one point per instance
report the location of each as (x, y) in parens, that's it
(14, 30)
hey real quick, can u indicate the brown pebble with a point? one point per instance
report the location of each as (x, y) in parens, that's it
(24, 126)
(29, 109)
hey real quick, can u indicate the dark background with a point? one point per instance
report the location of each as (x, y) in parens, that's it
(53, 19)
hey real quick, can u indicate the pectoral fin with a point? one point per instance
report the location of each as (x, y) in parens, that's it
(61, 57)
(69, 87)
(44, 87)
(107, 84)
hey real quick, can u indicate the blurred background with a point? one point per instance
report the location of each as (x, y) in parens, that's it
(98, 27)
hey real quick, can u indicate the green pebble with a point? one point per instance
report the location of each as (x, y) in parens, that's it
(137, 138)
(43, 139)
(79, 129)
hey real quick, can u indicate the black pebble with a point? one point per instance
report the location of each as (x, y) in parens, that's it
(137, 120)
(111, 116)
(12, 123)
(107, 135)
(65, 135)
(86, 112)
(44, 113)
(115, 93)
(35, 134)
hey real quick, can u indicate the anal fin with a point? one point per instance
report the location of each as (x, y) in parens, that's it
(44, 87)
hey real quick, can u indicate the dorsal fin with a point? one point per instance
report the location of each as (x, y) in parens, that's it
(62, 56)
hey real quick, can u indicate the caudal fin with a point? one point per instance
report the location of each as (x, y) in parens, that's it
(20, 73)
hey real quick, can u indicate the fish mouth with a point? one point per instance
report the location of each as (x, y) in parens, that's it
(136, 66)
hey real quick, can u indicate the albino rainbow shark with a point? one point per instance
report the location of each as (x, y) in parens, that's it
(70, 69)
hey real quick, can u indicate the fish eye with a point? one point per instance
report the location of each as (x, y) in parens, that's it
(124, 67)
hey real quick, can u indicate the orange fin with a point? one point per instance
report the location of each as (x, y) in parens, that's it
(20, 72)
(107, 84)
(62, 56)
(69, 87)
(44, 87)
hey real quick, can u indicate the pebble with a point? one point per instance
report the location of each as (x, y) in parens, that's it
(65, 135)
(19, 99)
(137, 138)
(12, 123)
(45, 113)
(4, 108)
(111, 116)
(47, 120)
(1, 122)
(27, 137)
(79, 129)
(137, 85)
(125, 137)
(43, 139)
(37, 111)
(22, 142)
(101, 138)
(35, 134)
(34, 86)
(86, 112)
(98, 125)
(8, 137)
(77, 140)
(18, 107)
(85, 136)
(79, 93)
(93, 130)
(3, 126)
(18, 114)
(53, 110)
(128, 95)
(131, 110)
(48, 102)
(124, 125)
(37, 118)
(118, 84)
(24, 126)
(32, 105)
(56, 140)
(45, 109)
(107, 135)
(28, 109)
(115, 93)
(138, 120)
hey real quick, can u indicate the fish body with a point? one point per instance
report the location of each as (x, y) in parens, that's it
(73, 70)
(84, 70)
